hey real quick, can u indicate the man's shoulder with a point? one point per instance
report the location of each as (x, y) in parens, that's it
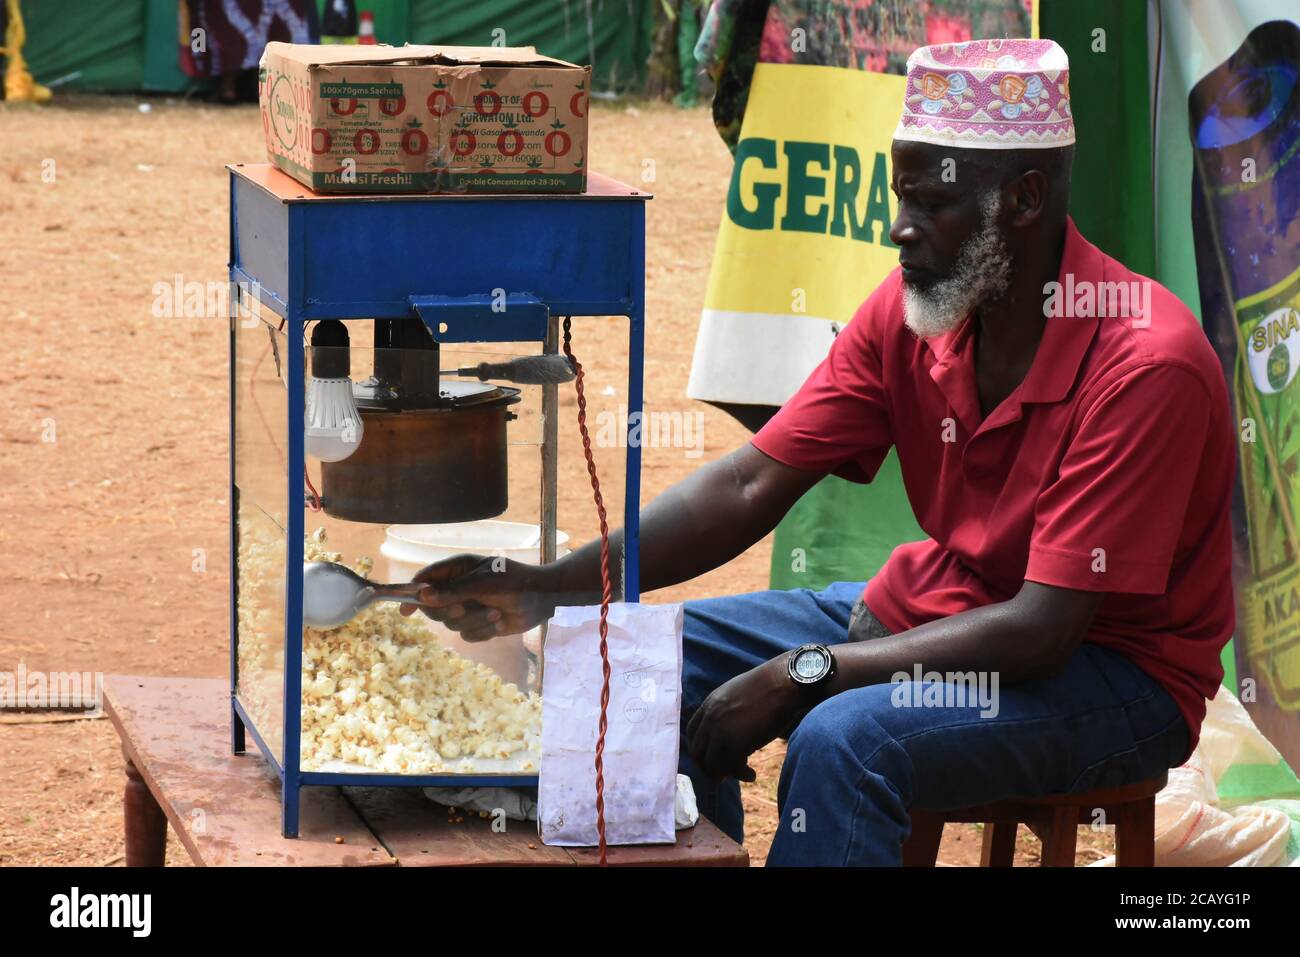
(1143, 325)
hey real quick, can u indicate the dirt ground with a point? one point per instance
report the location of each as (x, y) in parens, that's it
(114, 446)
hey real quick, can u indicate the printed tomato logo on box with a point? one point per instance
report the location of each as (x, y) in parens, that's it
(415, 141)
(514, 130)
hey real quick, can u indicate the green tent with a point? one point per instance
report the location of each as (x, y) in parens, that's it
(131, 45)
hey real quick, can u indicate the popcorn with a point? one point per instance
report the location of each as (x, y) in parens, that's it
(378, 691)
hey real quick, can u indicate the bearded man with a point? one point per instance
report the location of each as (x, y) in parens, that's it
(1061, 627)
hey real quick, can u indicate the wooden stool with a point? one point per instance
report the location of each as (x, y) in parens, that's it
(1054, 819)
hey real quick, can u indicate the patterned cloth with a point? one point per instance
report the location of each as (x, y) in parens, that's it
(988, 94)
(728, 50)
(872, 35)
(236, 32)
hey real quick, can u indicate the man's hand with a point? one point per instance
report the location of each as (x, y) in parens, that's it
(483, 597)
(741, 716)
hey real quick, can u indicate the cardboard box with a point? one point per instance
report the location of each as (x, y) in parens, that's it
(423, 119)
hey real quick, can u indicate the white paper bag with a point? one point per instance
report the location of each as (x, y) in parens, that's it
(644, 716)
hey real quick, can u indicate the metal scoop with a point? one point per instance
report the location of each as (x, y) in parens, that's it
(332, 595)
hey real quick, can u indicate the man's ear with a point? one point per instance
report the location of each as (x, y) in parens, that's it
(1027, 198)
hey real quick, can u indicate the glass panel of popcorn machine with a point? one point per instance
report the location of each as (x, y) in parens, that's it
(261, 448)
(432, 475)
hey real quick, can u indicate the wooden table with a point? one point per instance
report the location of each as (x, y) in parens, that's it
(225, 808)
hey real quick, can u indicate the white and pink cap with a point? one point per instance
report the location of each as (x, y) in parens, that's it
(988, 94)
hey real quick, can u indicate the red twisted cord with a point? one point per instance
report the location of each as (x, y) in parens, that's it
(313, 496)
(607, 589)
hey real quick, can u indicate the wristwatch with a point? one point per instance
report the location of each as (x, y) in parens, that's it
(811, 665)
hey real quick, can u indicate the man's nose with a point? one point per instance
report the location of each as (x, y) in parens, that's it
(903, 231)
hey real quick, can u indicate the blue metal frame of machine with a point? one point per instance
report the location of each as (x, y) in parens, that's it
(447, 259)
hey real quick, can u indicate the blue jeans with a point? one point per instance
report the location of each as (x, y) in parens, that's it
(859, 760)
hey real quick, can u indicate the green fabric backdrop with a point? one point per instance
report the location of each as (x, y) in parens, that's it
(618, 44)
(842, 531)
(1111, 198)
(102, 41)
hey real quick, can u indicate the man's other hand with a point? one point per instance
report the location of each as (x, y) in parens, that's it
(740, 717)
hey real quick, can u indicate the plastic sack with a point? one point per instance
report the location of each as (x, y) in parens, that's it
(517, 805)
(512, 803)
(643, 736)
(1195, 829)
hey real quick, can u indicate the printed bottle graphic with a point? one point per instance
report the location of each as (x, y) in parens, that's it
(1245, 128)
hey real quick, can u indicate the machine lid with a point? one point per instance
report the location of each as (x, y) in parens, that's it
(464, 391)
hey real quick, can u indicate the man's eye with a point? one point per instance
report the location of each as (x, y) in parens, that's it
(928, 206)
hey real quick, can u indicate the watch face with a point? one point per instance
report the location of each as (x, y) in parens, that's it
(810, 664)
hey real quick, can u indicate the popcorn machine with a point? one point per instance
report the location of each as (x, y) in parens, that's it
(352, 427)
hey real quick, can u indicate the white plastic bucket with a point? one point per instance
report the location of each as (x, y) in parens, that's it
(409, 548)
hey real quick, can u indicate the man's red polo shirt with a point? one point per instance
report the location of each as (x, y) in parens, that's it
(1109, 468)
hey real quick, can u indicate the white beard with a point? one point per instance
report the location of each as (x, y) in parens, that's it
(982, 272)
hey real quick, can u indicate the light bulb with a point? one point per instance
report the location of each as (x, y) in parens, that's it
(334, 427)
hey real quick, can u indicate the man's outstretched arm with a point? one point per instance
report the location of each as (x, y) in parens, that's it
(697, 525)
(700, 523)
